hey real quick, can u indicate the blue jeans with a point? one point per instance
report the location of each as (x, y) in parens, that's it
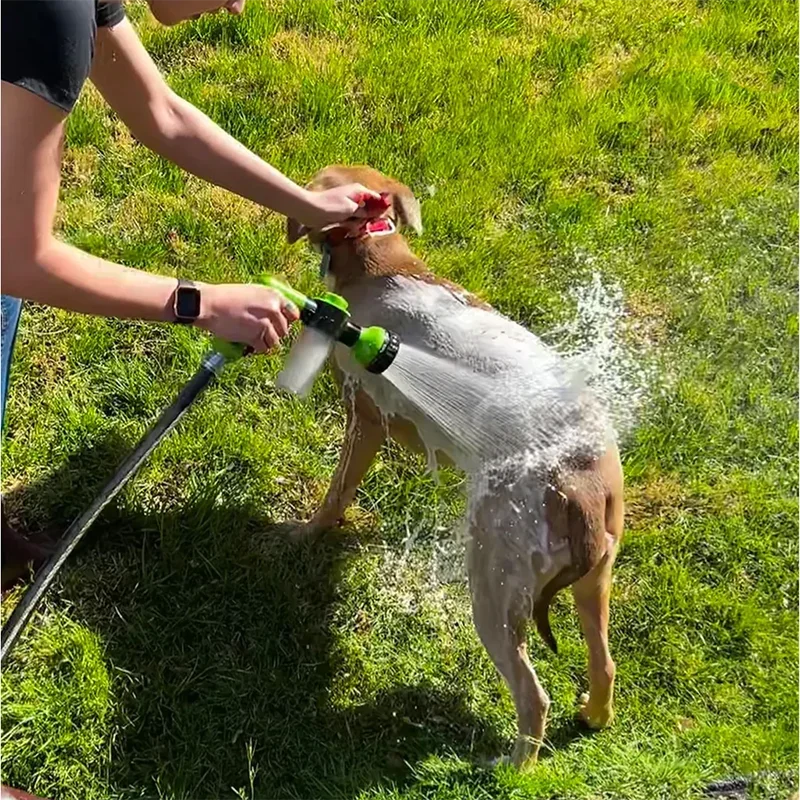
(10, 310)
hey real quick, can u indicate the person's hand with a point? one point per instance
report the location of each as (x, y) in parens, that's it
(336, 205)
(249, 314)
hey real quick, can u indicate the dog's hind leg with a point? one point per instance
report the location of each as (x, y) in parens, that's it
(364, 436)
(591, 594)
(499, 614)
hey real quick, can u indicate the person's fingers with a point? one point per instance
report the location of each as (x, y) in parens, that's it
(258, 347)
(279, 323)
(370, 204)
(269, 338)
(290, 311)
(360, 194)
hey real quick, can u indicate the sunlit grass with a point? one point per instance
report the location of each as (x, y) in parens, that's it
(190, 651)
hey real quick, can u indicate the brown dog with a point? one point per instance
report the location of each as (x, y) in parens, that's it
(532, 532)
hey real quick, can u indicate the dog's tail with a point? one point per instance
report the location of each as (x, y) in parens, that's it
(541, 608)
(580, 511)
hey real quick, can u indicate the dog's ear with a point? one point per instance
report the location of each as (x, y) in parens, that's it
(407, 208)
(294, 230)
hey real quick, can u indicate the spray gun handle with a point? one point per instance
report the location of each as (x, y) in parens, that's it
(288, 292)
(233, 350)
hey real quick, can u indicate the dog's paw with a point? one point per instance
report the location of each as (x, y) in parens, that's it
(497, 761)
(523, 759)
(304, 531)
(595, 717)
(525, 755)
(312, 529)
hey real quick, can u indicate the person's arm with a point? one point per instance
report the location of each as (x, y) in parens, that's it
(36, 266)
(132, 85)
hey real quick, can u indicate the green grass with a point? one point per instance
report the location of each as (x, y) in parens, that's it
(190, 651)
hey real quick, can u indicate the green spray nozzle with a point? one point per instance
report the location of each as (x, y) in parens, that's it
(374, 348)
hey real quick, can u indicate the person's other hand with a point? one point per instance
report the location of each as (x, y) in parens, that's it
(248, 314)
(337, 205)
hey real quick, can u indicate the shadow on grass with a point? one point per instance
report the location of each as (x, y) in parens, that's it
(562, 733)
(221, 635)
(46, 507)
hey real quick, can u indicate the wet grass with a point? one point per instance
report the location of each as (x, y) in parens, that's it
(190, 651)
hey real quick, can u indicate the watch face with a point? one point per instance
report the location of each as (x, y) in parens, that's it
(187, 302)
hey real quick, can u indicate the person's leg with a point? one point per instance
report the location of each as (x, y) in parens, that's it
(10, 310)
(17, 552)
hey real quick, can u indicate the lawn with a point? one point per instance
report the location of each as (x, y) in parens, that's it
(190, 650)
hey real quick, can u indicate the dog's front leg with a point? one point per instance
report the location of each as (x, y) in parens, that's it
(363, 438)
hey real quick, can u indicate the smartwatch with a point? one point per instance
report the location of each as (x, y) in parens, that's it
(186, 303)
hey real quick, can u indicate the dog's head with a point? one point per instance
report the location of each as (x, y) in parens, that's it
(403, 210)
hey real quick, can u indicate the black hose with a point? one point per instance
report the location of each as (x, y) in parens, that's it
(736, 788)
(165, 423)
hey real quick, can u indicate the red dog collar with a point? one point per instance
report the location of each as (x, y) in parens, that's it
(362, 229)
(358, 228)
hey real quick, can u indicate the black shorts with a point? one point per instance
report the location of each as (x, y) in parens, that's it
(48, 45)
